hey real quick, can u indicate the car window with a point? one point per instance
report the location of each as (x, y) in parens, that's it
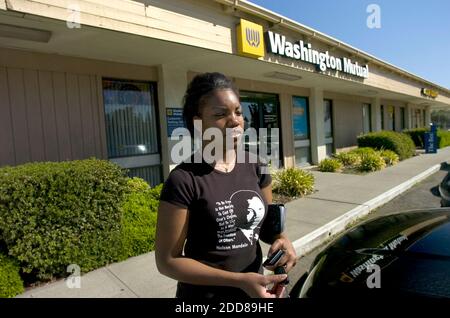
(436, 242)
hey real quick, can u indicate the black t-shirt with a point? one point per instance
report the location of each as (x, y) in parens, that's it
(226, 210)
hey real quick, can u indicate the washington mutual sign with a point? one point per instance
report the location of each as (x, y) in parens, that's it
(277, 44)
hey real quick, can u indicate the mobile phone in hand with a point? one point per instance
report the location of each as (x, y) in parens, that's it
(279, 289)
(280, 270)
(273, 258)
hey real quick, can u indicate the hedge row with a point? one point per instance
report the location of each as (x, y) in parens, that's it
(83, 212)
(399, 143)
(139, 217)
(56, 214)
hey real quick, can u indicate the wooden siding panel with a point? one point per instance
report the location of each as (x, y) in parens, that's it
(7, 156)
(34, 116)
(101, 112)
(73, 103)
(96, 117)
(86, 109)
(19, 115)
(48, 116)
(62, 116)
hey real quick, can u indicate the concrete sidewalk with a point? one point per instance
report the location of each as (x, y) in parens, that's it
(339, 201)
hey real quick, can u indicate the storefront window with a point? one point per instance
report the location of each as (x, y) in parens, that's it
(402, 118)
(416, 118)
(391, 118)
(300, 126)
(130, 119)
(300, 118)
(131, 127)
(366, 118)
(328, 124)
(328, 119)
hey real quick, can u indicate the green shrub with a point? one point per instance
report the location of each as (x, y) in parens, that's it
(293, 182)
(363, 151)
(389, 157)
(417, 135)
(400, 143)
(330, 165)
(59, 213)
(10, 282)
(371, 162)
(139, 217)
(348, 159)
(443, 138)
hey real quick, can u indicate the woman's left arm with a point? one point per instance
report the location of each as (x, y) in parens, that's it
(281, 241)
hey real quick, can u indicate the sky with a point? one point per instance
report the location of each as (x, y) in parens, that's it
(413, 35)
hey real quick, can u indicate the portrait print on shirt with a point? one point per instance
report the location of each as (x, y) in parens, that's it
(241, 214)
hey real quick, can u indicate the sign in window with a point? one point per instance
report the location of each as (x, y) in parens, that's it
(261, 110)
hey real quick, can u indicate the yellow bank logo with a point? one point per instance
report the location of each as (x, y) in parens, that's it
(430, 92)
(250, 39)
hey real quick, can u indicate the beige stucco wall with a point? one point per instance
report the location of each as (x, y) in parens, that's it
(346, 109)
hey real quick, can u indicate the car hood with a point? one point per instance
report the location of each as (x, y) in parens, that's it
(406, 248)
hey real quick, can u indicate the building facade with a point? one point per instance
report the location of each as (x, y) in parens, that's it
(106, 79)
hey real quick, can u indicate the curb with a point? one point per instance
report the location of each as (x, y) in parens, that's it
(316, 238)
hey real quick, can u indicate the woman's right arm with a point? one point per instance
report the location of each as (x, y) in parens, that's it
(171, 231)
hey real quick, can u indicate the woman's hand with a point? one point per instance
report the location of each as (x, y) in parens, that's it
(289, 258)
(255, 285)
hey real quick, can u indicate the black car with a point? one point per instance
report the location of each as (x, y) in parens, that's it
(444, 191)
(406, 254)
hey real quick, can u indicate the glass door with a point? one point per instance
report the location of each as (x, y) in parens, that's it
(366, 118)
(328, 125)
(300, 125)
(262, 110)
(391, 118)
(131, 128)
(402, 118)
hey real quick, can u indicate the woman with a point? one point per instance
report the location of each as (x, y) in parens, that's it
(213, 211)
